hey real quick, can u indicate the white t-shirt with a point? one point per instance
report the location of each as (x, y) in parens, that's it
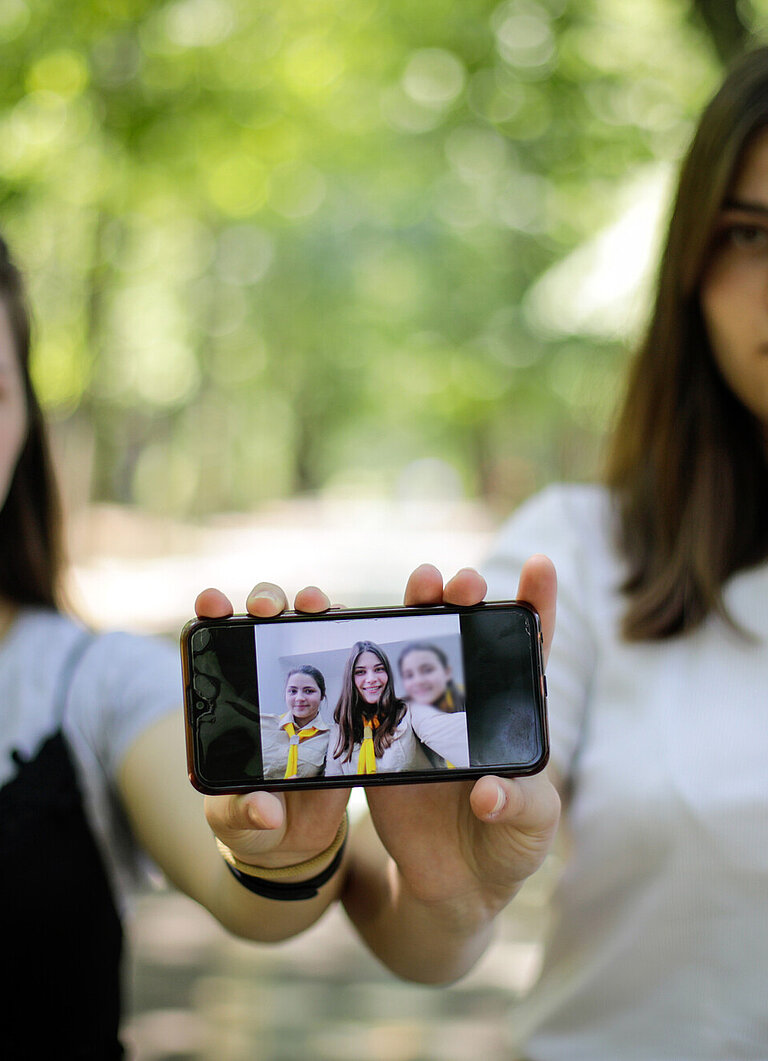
(659, 947)
(119, 686)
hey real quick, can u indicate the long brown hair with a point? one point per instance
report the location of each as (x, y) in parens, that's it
(351, 708)
(687, 463)
(30, 519)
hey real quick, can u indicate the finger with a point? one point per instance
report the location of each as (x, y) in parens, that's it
(538, 586)
(311, 600)
(266, 600)
(465, 588)
(425, 586)
(213, 604)
(529, 803)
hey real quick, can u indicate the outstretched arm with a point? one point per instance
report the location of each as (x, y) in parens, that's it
(436, 863)
(261, 828)
(423, 878)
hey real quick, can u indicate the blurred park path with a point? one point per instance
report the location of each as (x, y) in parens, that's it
(200, 994)
(196, 993)
(143, 572)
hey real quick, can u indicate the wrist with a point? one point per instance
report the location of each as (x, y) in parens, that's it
(298, 881)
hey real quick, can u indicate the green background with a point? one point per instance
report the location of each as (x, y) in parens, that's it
(341, 245)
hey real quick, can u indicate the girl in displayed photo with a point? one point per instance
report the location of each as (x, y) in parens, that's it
(436, 703)
(373, 730)
(295, 743)
(428, 677)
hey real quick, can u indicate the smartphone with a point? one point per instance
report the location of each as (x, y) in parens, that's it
(364, 697)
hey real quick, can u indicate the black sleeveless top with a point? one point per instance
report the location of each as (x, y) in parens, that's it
(61, 934)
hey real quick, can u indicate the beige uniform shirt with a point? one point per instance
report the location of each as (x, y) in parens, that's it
(275, 744)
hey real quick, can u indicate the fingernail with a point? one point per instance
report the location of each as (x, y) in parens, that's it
(501, 801)
(265, 594)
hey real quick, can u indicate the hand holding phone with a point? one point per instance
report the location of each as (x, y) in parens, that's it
(462, 850)
(464, 863)
(364, 697)
(272, 829)
(430, 867)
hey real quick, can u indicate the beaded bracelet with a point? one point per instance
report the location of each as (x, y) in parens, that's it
(279, 882)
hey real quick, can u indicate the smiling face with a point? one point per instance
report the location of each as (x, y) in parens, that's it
(370, 677)
(734, 290)
(13, 406)
(302, 697)
(425, 679)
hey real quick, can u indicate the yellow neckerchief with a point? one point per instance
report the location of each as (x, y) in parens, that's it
(296, 737)
(366, 760)
(447, 702)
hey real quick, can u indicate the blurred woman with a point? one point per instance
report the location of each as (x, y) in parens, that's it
(93, 778)
(294, 743)
(92, 769)
(658, 947)
(436, 703)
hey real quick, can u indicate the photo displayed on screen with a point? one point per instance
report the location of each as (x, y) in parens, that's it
(365, 697)
(361, 696)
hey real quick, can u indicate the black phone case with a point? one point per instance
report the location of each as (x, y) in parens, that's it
(242, 670)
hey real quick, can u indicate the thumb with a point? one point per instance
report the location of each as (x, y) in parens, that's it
(529, 803)
(229, 815)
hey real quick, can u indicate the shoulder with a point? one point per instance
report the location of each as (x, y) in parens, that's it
(427, 717)
(36, 629)
(122, 683)
(563, 513)
(421, 713)
(50, 638)
(33, 657)
(573, 524)
(126, 669)
(271, 727)
(104, 688)
(269, 718)
(116, 648)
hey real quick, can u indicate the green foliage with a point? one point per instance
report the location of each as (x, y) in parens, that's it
(273, 246)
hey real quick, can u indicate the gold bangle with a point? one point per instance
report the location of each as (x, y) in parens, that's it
(287, 872)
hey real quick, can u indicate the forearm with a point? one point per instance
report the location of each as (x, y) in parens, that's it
(428, 942)
(168, 820)
(258, 918)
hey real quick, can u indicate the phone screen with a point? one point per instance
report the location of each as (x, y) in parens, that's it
(364, 697)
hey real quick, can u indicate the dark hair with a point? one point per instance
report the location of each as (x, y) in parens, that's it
(313, 672)
(422, 646)
(30, 520)
(351, 709)
(452, 699)
(687, 464)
